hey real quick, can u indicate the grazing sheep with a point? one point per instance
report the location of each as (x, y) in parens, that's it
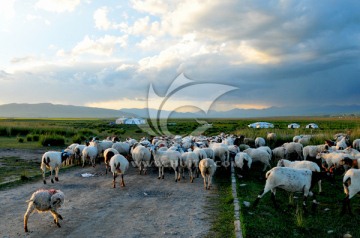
(351, 184)
(141, 156)
(108, 153)
(243, 162)
(207, 169)
(341, 144)
(278, 153)
(271, 136)
(53, 161)
(293, 150)
(332, 160)
(259, 155)
(304, 164)
(356, 144)
(259, 141)
(310, 151)
(45, 201)
(168, 158)
(119, 165)
(291, 180)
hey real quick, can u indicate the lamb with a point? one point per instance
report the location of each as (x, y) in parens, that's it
(301, 165)
(53, 161)
(141, 156)
(45, 201)
(291, 180)
(119, 165)
(108, 153)
(259, 155)
(167, 158)
(351, 184)
(207, 168)
(259, 141)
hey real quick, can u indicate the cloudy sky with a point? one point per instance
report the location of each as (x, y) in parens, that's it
(108, 53)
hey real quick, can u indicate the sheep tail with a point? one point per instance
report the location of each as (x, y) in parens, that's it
(268, 173)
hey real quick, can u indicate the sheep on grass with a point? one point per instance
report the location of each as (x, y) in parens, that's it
(45, 201)
(351, 184)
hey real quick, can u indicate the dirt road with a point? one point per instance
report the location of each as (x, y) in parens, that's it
(146, 207)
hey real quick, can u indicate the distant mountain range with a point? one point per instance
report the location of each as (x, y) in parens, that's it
(333, 110)
(48, 110)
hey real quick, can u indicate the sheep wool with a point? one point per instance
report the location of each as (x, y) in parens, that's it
(45, 201)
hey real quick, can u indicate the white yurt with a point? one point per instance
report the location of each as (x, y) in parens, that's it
(130, 121)
(293, 126)
(261, 124)
(312, 126)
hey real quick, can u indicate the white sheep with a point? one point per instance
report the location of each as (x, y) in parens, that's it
(241, 159)
(209, 153)
(122, 147)
(168, 158)
(293, 148)
(141, 156)
(78, 153)
(108, 153)
(45, 201)
(333, 159)
(291, 180)
(356, 144)
(312, 150)
(189, 160)
(278, 153)
(52, 160)
(119, 165)
(351, 184)
(271, 136)
(303, 164)
(207, 169)
(221, 153)
(90, 152)
(259, 141)
(259, 155)
(341, 144)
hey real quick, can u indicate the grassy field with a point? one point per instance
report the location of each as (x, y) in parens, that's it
(264, 221)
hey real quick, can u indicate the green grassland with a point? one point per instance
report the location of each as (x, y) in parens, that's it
(264, 221)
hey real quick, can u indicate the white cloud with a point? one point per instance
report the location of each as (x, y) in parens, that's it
(101, 20)
(104, 46)
(58, 6)
(7, 9)
(155, 7)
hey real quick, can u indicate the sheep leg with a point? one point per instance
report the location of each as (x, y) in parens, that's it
(30, 209)
(56, 217)
(205, 181)
(162, 172)
(114, 178)
(51, 175)
(346, 204)
(43, 174)
(122, 181)
(319, 183)
(261, 194)
(304, 204)
(177, 175)
(57, 174)
(274, 200)
(159, 172)
(209, 181)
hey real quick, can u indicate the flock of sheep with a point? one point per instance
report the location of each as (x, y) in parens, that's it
(299, 166)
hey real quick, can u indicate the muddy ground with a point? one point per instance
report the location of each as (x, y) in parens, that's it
(145, 207)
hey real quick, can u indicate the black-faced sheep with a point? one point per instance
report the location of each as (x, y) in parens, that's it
(53, 160)
(45, 201)
(351, 184)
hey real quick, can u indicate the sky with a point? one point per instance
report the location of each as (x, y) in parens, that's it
(109, 53)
